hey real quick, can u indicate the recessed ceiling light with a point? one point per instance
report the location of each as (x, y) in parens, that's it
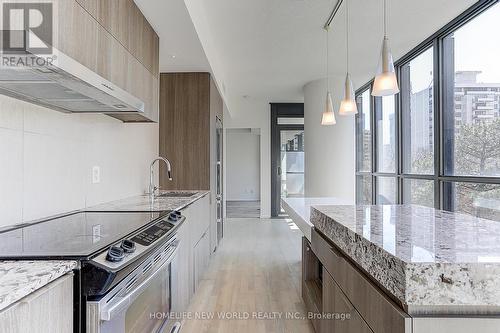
(173, 56)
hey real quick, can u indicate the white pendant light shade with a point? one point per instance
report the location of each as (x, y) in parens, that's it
(328, 116)
(385, 83)
(348, 104)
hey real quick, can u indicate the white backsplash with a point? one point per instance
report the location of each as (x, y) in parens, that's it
(46, 160)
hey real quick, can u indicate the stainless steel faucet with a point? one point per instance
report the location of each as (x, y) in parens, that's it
(152, 187)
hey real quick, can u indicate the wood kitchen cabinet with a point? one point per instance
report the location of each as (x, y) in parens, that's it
(201, 257)
(189, 104)
(343, 316)
(347, 290)
(113, 39)
(182, 293)
(193, 254)
(199, 212)
(47, 310)
(126, 23)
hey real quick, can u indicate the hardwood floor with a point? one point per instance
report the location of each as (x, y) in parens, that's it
(240, 209)
(255, 272)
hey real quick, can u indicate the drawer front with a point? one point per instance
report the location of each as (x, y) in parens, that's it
(347, 319)
(329, 256)
(377, 309)
(311, 291)
(381, 313)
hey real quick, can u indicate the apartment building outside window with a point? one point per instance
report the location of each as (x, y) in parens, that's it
(437, 143)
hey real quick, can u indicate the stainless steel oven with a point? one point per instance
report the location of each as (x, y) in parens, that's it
(142, 301)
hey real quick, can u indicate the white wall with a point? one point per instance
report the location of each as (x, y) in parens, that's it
(253, 113)
(243, 165)
(46, 158)
(329, 150)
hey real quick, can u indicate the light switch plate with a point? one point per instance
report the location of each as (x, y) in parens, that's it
(96, 175)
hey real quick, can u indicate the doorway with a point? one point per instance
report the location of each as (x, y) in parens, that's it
(287, 153)
(243, 173)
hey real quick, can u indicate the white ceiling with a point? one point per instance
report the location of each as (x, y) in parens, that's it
(180, 48)
(270, 49)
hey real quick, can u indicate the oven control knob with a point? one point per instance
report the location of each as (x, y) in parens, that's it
(173, 216)
(128, 246)
(115, 254)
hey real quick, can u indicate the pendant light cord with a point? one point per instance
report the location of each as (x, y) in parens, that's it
(385, 19)
(327, 56)
(347, 34)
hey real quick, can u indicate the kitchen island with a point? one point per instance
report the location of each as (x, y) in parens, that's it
(405, 268)
(299, 210)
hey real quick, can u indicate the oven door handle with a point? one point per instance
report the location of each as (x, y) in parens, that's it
(119, 304)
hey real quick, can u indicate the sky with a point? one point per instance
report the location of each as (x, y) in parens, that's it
(477, 48)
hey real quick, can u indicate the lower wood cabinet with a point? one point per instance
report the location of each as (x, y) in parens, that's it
(182, 292)
(339, 315)
(201, 258)
(194, 252)
(345, 290)
(47, 310)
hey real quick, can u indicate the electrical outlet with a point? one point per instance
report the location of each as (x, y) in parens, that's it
(96, 175)
(96, 233)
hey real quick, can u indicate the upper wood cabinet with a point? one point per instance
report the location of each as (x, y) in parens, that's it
(124, 21)
(113, 39)
(189, 103)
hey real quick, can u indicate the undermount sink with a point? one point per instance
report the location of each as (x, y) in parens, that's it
(177, 194)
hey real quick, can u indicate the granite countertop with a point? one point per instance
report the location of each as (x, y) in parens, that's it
(20, 278)
(143, 203)
(432, 261)
(299, 210)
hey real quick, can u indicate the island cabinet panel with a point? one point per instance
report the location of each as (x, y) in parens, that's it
(47, 310)
(339, 315)
(311, 283)
(380, 313)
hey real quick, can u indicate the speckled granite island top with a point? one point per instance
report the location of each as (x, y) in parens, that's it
(143, 203)
(433, 262)
(20, 278)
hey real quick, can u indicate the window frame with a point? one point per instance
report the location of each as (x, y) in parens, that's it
(443, 194)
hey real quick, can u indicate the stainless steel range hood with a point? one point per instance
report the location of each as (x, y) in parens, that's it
(61, 83)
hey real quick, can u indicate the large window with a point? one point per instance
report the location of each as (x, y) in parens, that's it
(386, 190)
(364, 135)
(364, 160)
(437, 143)
(386, 134)
(417, 108)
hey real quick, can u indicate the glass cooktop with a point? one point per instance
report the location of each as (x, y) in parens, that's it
(78, 235)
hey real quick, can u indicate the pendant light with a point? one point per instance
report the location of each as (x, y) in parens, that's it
(385, 83)
(348, 104)
(328, 117)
